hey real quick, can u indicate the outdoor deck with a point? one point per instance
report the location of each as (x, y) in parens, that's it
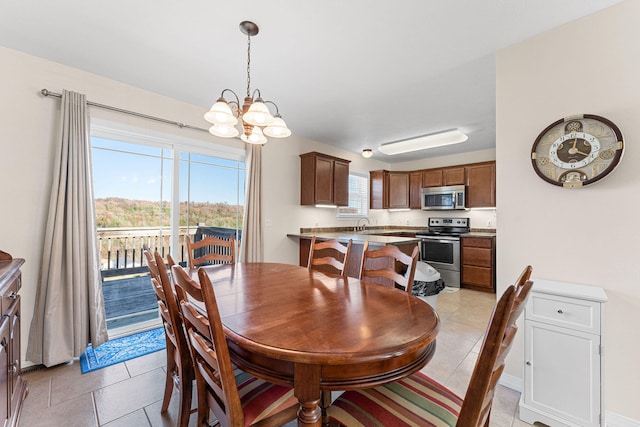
(126, 285)
(129, 300)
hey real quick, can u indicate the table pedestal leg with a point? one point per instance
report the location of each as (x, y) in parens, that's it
(306, 385)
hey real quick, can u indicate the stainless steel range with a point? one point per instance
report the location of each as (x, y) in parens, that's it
(440, 247)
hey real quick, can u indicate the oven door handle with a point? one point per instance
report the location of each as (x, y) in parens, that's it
(452, 241)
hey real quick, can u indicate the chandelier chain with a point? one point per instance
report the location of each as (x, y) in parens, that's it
(248, 65)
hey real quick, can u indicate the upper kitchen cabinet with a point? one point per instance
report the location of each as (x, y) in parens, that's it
(443, 176)
(378, 183)
(481, 185)
(324, 180)
(390, 190)
(398, 190)
(415, 184)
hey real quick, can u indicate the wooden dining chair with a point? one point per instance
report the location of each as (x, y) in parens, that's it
(180, 371)
(383, 264)
(236, 398)
(329, 254)
(419, 400)
(211, 250)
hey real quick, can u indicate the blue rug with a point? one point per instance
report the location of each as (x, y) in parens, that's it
(122, 349)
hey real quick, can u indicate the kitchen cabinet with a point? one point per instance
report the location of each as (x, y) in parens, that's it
(481, 185)
(401, 189)
(13, 388)
(324, 180)
(415, 184)
(443, 176)
(478, 261)
(378, 196)
(394, 190)
(380, 193)
(398, 188)
(563, 355)
(432, 178)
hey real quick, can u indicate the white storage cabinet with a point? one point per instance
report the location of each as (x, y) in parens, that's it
(563, 355)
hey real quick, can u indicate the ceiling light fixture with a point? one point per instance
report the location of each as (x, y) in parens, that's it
(256, 118)
(439, 139)
(367, 152)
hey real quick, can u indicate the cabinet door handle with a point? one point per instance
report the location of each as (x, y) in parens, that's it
(560, 311)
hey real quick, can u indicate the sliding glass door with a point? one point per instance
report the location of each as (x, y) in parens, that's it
(137, 189)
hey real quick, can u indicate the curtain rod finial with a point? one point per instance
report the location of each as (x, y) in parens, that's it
(44, 92)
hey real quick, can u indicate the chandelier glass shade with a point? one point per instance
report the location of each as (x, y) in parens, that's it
(253, 116)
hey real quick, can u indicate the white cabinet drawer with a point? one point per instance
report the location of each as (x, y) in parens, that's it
(581, 315)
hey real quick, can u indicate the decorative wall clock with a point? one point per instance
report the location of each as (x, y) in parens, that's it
(577, 150)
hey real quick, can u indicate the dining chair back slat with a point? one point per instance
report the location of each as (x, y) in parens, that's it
(395, 261)
(329, 253)
(211, 250)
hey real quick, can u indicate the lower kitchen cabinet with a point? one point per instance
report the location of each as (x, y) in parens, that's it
(478, 261)
(563, 355)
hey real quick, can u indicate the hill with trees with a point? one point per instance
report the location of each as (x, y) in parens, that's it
(118, 212)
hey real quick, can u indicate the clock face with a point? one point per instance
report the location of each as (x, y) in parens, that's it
(577, 150)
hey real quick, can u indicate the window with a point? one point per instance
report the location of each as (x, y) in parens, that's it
(153, 192)
(358, 197)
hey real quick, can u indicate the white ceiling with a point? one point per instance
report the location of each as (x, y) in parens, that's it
(354, 74)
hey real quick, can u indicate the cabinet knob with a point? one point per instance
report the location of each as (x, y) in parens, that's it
(528, 363)
(13, 295)
(560, 311)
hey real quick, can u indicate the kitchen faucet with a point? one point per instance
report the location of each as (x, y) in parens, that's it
(362, 227)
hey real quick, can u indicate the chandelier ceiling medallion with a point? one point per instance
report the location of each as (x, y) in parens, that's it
(257, 120)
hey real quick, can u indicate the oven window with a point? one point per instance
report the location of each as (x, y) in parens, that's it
(433, 250)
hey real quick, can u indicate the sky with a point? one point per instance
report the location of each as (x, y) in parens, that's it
(144, 173)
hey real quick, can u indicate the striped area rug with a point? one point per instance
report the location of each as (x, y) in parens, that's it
(122, 349)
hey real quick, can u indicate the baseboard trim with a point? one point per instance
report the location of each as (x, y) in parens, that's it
(616, 420)
(512, 382)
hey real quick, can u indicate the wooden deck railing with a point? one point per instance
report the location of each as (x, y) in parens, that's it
(121, 249)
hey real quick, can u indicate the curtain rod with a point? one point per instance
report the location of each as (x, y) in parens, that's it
(46, 92)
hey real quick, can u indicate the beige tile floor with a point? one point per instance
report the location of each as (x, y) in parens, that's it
(129, 394)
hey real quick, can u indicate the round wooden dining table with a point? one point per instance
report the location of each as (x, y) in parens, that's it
(291, 325)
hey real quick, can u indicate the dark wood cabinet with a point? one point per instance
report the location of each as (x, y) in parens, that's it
(443, 176)
(324, 180)
(398, 189)
(378, 196)
(401, 189)
(415, 184)
(478, 263)
(481, 185)
(13, 388)
(432, 178)
(453, 176)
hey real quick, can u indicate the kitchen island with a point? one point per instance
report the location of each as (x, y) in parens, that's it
(376, 238)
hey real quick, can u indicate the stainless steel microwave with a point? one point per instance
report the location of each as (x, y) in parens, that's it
(443, 198)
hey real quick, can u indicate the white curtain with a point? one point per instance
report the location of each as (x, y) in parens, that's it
(69, 309)
(251, 245)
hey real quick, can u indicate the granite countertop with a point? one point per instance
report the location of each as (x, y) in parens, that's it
(477, 233)
(360, 237)
(379, 235)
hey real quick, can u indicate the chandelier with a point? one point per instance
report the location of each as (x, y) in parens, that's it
(257, 120)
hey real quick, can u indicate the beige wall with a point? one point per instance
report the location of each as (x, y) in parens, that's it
(589, 66)
(26, 137)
